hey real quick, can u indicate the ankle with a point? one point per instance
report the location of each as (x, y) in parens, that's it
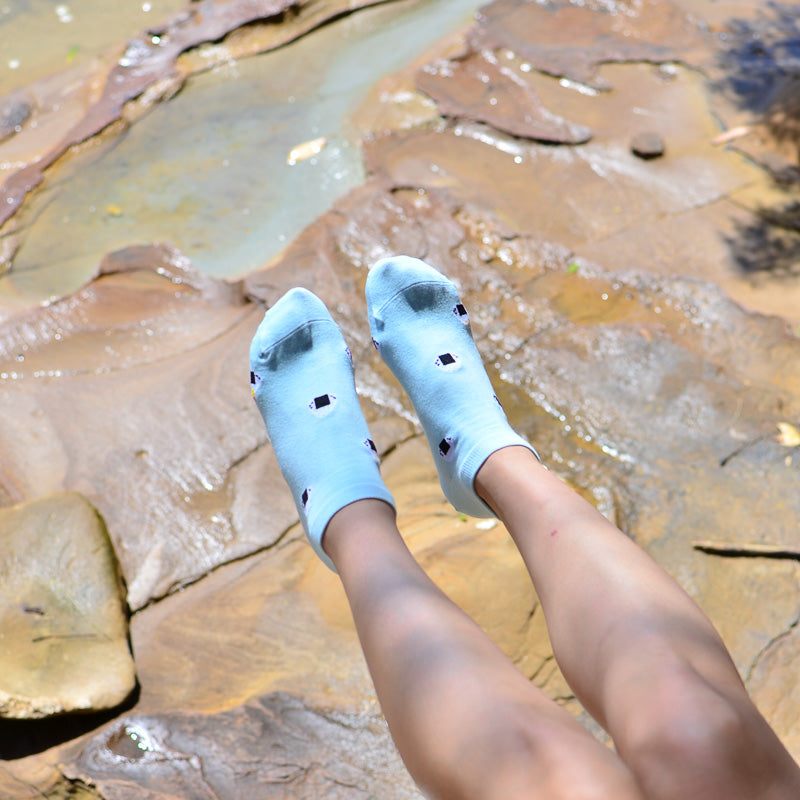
(364, 517)
(500, 471)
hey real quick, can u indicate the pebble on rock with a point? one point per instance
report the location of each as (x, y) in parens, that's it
(647, 144)
(15, 109)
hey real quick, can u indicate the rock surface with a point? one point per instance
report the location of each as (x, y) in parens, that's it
(593, 283)
(148, 71)
(271, 747)
(132, 401)
(63, 623)
(479, 87)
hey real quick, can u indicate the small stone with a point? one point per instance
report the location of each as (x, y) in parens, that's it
(647, 144)
(14, 112)
(63, 623)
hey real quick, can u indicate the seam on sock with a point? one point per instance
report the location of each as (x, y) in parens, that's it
(433, 282)
(293, 331)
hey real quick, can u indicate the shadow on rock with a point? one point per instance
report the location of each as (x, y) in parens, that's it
(22, 738)
(760, 73)
(758, 57)
(770, 242)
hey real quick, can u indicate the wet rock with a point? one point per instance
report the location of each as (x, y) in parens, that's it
(479, 87)
(142, 64)
(138, 383)
(275, 746)
(647, 145)
(571, 40)
(64, 644)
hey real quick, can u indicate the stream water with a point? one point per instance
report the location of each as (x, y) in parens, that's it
(208, 171)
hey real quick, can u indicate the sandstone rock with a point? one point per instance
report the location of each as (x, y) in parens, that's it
(63, 624)
(172, 356)
(571, 40)
(275, 746)
(479, 87)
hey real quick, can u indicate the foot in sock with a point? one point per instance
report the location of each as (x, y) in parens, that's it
(421, 329)
(301, 375)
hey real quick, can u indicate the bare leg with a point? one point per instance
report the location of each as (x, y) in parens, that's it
(639, 654)
(467, 723)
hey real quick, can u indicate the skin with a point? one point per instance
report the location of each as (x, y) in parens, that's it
(636, 650)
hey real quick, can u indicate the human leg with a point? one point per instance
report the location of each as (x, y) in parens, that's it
(638, 652)
(466, 722)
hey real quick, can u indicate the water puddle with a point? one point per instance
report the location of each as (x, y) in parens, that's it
(208, 172)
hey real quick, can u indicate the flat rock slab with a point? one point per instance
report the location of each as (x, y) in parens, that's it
(479, 87)
(275, 746)
(570, 41)
(63, 624)
(139, 387)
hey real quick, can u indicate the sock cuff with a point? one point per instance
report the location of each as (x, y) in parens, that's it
(487, 444)
(320, 515)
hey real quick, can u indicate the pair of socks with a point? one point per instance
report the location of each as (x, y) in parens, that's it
(301, 375)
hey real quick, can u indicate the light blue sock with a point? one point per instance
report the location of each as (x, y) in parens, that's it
(301, 374)
(422, 332)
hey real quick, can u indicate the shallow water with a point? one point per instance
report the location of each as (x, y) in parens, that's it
(208, 170)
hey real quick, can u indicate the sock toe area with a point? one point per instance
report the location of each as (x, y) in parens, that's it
(296, 308)
(392, 276)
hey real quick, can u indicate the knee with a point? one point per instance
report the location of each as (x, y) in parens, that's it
(524, 759)
(691, 730)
